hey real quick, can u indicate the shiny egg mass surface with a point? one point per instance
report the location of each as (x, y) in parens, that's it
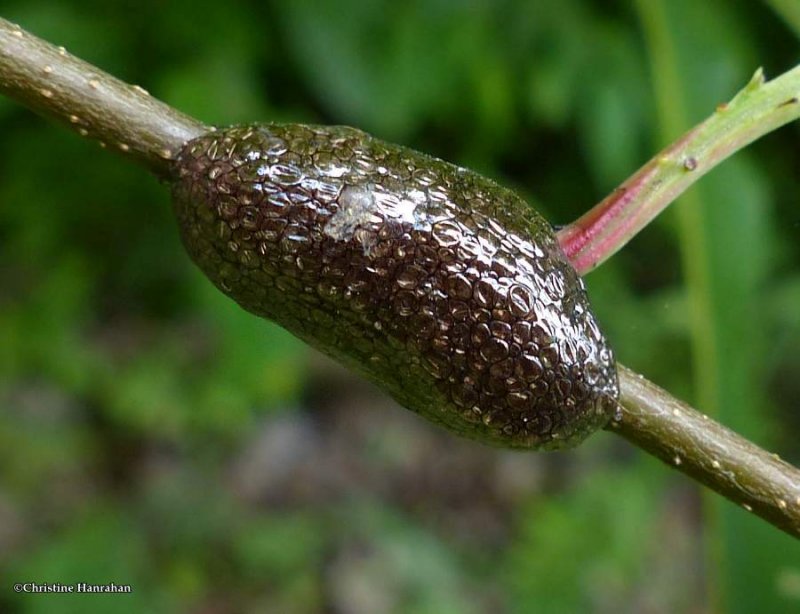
(447, 290)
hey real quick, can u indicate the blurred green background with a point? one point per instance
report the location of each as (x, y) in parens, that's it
(152, 434)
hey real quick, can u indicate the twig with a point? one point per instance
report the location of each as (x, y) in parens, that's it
(755, 111)
(47, 79)
(707, 451)
(93, 103)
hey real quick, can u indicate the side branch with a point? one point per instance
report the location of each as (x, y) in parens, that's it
(758, 109)
(93, 103)
(707, 451)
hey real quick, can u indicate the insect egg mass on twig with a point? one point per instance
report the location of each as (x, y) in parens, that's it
(444, 288)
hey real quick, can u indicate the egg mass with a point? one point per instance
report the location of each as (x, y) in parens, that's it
(444, 288)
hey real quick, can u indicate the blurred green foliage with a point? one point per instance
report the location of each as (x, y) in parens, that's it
(153, 434)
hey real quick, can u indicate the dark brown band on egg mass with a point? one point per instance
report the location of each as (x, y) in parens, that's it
(446, 289)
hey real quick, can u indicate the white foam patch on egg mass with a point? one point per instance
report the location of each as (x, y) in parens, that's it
(356, 208)
(356, 218)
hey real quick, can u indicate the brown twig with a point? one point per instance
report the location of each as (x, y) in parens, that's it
(53, 82)
(698, 446)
